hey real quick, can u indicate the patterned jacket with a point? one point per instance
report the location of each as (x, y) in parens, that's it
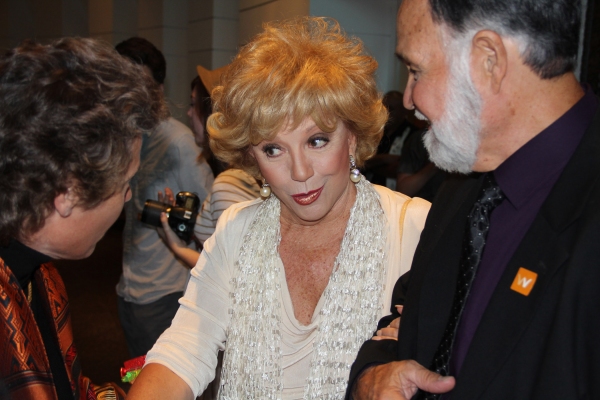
(24, 365)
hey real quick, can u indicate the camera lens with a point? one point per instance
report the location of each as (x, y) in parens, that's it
(151, 212)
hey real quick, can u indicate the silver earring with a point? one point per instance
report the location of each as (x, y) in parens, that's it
(265, 190)
(354, 172)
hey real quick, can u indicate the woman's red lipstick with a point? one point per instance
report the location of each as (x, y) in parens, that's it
(305, 199)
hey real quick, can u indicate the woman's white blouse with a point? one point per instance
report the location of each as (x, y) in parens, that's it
(189, 347)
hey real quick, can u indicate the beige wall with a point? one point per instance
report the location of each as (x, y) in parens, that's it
(254, 12)
(374, 22)
(192, 32)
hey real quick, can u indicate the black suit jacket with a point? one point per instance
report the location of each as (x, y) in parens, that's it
(542, 346)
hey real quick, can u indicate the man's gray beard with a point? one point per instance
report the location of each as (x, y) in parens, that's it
(452, 142)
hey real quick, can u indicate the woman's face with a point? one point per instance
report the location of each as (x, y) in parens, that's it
(308, 170)
(197, 125)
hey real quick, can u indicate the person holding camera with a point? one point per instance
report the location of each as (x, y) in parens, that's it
(289, 286)
(153, 279)
(231, 186)
(72, 114)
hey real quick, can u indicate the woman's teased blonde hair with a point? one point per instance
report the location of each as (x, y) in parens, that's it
(305, 67)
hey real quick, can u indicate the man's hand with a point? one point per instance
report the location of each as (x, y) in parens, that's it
(399, 380)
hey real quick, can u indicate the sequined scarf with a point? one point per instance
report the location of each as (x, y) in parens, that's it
(353, 299)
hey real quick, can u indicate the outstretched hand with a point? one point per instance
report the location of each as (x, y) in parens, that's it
(399, 380)
(391, 331)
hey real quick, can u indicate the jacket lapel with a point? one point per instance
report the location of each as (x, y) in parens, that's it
(54, 295)
(26, 370)
(544, 250)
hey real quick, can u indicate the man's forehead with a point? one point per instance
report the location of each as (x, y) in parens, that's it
(415, 28)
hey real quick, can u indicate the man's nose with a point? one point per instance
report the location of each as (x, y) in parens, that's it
(407, 99)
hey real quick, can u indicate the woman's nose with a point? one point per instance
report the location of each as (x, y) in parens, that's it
(301, 168)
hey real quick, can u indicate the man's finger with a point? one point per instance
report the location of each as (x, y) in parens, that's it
(429, 381)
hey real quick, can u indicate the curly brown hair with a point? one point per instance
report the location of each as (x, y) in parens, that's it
(294, 69)
(69, 114)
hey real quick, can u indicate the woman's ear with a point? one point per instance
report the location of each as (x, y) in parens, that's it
(250, 152)
(352, 144)
(489, 60)
(64, 203)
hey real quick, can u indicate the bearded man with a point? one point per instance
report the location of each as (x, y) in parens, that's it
(501, 301)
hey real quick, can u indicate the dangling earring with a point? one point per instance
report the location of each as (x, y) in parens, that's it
(354, 172)
(265, 190)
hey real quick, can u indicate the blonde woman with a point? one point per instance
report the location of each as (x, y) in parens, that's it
(290, 285)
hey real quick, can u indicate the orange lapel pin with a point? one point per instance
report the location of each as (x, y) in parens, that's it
(524, 281)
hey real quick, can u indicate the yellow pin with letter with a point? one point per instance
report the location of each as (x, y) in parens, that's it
(524, 281)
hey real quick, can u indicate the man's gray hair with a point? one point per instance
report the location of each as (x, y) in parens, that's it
(547, 30)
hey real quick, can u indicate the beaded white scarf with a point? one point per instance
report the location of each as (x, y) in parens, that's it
(353, 299)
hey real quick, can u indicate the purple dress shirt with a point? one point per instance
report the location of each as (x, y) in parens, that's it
(526, 178)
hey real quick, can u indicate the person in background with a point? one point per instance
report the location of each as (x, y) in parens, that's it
(199, 111)
(231, 186)
(502, 298)
(290, 285)
(153, 279)
(381, 169)
(72, 114)
(417, 176)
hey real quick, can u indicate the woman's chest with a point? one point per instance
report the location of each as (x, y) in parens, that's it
(307, 267)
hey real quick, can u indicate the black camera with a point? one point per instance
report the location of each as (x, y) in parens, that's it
(181, 216)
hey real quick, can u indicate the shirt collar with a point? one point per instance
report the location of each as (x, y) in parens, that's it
(23, 261)
(541, 160)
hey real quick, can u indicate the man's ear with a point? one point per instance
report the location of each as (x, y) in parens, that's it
(64, 203)
(489, 60)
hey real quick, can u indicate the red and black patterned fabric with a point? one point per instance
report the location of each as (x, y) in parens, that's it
(24, 366)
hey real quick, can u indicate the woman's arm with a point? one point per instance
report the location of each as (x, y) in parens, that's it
(158, 382)
(189, 347)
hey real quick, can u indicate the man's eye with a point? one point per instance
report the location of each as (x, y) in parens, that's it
(414, 74)
(318, 142)
(271, 150)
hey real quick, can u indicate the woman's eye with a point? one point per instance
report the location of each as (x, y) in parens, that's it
(318, 142)
(271, 150)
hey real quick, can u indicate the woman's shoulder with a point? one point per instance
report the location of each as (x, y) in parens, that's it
(393, 202)
(240, 212)
(394, 199)
(232, 225)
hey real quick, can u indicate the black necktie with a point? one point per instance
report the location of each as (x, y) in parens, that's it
(478, 225)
